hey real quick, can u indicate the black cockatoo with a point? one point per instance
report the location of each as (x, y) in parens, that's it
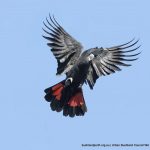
(80, 67)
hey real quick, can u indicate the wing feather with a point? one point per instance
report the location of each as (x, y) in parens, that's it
(109, 60)
(63, 46)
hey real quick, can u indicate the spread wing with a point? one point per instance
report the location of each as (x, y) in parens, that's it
(109, 60)
(63, 46)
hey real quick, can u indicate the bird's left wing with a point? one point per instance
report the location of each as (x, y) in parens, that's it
(63, 46)
(107, 60)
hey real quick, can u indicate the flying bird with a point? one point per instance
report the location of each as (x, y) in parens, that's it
(80, 67)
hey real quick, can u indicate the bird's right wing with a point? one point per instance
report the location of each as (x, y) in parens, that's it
(109, 60)
(63, 46)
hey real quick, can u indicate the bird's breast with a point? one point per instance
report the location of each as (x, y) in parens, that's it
(78, 73)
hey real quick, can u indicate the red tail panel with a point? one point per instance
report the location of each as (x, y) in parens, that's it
(54, 96)
(76, 100)
(76, 105)
(57, 86)
(56, 91)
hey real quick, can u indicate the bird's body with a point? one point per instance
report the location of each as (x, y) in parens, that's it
(80, 67)
(79, 71)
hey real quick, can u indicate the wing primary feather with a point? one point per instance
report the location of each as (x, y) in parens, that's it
(52, 40)
(56, 36)
(60, 52)
(109, 70)
(48, 38)
(127, 50)
(46, 31)
(50, 29)
(120, 55)
(114, 47)
(118, 63)
(95, 76)
(57, 31)
(59, 56)
(51, 34)
(96, 69)
(57, 28)
(90, 85)
(57, 24)
(55, 46)
(99, 69)
(130, 45)
(50, 23)
(112, 65)
(54, 22)
(117, 48)
(123, 59)
(102, 71)
(105, 71)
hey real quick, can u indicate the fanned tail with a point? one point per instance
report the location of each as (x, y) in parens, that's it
(68, 99)
(54, 95)
(76, 104)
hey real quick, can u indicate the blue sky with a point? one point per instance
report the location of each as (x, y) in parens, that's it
(118, 107)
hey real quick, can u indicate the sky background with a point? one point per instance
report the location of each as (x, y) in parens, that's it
(119, 105)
